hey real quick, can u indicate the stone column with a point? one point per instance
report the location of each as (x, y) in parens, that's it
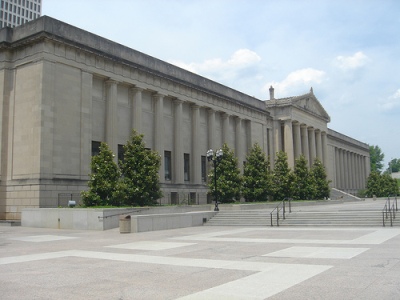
(249, 141)
(196, 155)
(239, 142)
(211, 129)
(342, 170)
(112, 117)
(337, 169)
(270, 148)
(159, 131)
(324, 141)
(277, 138)
(318, 142)
(289, 142)
(178, 146)
(86, 123)
(225, 128)
(297, 140)
(346, 168)
(137, 109)
(312, 147)
(304, 143)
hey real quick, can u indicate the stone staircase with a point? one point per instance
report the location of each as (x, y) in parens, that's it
(361, 213)
(241, 218)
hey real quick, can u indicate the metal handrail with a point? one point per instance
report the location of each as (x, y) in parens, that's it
(389, 211)
(278, 209)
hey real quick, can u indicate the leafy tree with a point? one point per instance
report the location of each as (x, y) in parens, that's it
(321, 182)
(281, 177)
(103, 179)
(303, 186)
(394, 166)
(228, 177)
(376, 158)
(140, 184)
(381, 185)
(256, 176)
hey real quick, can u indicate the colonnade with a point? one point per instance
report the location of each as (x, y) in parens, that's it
(351, 170)
(300, 139)
(240, 140)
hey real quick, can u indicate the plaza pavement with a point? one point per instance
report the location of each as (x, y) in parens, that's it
(201, 263)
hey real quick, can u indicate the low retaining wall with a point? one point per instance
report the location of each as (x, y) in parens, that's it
(92, 218)
(143, 223)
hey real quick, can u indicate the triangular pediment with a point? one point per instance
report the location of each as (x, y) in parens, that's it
(307, 103)
(310, 103)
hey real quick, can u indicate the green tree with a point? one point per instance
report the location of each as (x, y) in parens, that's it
(394, 166)
(140, 184)
(303, 187)
(281, 177)
(103, 179)
(376, 158)
(228, 177)
(320, 180)
(256, 176)
(381, 185)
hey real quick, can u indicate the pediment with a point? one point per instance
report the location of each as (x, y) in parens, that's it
(310, 104)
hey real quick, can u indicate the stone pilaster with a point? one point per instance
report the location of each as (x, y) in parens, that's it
(159, 131)
(137, 109)
(225, 128)
(277, 137)
(178, 146)
(112, 116)
(86, 123)
(239, 142)
(211, 129)
(324, 149)
(196, 155)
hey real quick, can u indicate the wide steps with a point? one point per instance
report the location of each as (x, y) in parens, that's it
(240, 218)
(356, 218)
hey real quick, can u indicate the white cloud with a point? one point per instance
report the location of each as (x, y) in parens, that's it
(392, 102)
(299, 79)
(240, 59)
(356, 61)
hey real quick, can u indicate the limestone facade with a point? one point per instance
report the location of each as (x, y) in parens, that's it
(63, 90)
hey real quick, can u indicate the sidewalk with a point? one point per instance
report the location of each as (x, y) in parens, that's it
(201, 263)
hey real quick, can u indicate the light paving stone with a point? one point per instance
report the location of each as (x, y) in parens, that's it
(318, 252)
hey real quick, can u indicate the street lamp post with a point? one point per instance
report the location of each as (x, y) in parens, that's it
(215, 160)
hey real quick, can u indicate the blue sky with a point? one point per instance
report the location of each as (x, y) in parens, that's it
(348, 51)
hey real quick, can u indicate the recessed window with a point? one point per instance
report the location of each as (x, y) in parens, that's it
(167, 165)
(203, 168)
(95, 148)
(121, 152)
(186, 166)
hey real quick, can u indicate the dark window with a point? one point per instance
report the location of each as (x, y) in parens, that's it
(121, 152)
(95, 148)
(203, 168)
(167, 165)
(186, 166)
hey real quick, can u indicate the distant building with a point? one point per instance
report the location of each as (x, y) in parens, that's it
(396, 175)
(64, 90)
(17, 12)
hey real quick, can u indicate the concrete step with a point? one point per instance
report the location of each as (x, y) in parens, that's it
(366, 217)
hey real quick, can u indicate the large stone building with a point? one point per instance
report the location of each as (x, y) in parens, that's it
(64, 90)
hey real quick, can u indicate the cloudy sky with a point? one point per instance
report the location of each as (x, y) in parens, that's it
(347, 50)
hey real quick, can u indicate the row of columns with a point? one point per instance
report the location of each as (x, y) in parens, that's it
(351, 170)
(300, 139)
(158, 134)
